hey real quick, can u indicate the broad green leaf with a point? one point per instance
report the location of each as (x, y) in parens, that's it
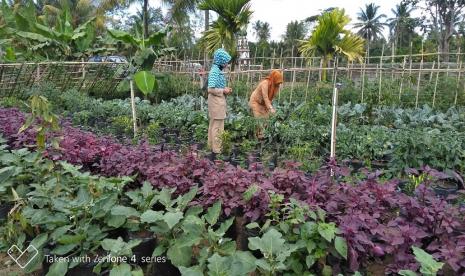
(217, 266)
(252, 225)
(124, 37)
(180, 256)
(185, 199)
(341, 246)
(69, 239)
(121, 270)
(213, 213)
(116, 221)
(113, 245)
(194, 211)
(225, 226)
(270, 243)
(6, 173)
(138, 272)
(145, 81)
(191, 271)
(61, 250)
(120, 210)
(429, 266)
(407, 273)
(242, 263)
(151, 216)
(327, 230)
(39, 241)
(160, 249)
(58, 269)
(172, 218)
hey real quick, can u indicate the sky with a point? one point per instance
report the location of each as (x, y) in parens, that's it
(278, 13)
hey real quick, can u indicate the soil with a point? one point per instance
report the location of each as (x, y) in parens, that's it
(9, 268)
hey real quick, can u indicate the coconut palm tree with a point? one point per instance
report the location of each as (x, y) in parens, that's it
(295, 31)
(234, 16)
(330, 37)
(370, 25)
(402, 26)
(262, 31)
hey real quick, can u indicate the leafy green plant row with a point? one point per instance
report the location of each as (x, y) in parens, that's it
(71, 214)
(404, 137)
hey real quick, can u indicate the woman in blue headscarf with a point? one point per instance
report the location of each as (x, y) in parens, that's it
(217, 91)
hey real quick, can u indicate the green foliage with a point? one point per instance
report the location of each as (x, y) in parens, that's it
(234, 15)
(429, 266)
(330, 37)
(41, 112)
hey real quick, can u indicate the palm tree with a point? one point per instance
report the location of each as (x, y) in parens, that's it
(154, 18)
(234, 16)
(370, 25)
(402, 26)
(295, 31)
(262, 31)
(330, 38)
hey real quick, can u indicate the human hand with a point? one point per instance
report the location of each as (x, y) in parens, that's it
(227, 90)
(272, 110)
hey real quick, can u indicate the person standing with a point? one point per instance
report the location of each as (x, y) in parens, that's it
(262, 97)
(217, 91)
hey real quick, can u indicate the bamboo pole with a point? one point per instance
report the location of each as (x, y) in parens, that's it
(392, 61)
(437, 79)
(419, 78)
(306, 90)
(363, 75)
(410, 67)
(402, 77)
(133, 108)
(432, 71)
(380, 74)
(272, 60)
(458, 84)
(293, 60)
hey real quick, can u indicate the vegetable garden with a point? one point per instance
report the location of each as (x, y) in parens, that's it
(268, 208)
(104, 168)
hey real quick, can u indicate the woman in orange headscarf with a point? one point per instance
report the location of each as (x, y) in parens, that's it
(262, 96)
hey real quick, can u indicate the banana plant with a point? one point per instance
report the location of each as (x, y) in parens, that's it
(32, 34)
(148, 50)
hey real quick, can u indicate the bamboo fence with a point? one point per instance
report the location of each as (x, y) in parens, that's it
(413, 72)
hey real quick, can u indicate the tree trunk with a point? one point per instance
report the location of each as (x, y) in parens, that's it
(146, 20)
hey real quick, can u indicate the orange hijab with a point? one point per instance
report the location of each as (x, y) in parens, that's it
(274, 78)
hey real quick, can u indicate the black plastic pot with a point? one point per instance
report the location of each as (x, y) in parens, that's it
(4, 209)
(145, 249)
(446, 187)
(164, 269)
(84, 269)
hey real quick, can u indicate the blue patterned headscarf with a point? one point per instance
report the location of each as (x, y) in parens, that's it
(216, 77)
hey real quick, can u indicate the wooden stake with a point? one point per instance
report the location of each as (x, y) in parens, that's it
(380, 74)
(363, 74)
(432, 71)
(402, 77)
(133, 107)
(436, 82)
(419, 78)
(458, 83)
(308, 82)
